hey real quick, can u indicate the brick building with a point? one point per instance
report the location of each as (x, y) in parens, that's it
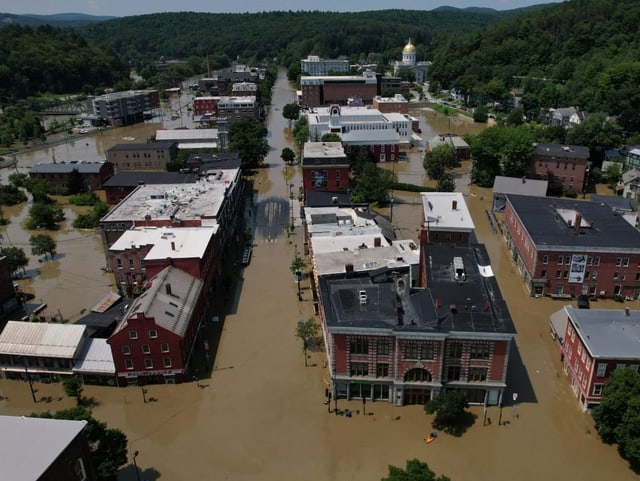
(154, 341)
(151, 156)
(205, 105)
(564, 166)
(325, 167)
(60, 174)
(564, 248)
(317, 91)
(118, 187)
(396, 104)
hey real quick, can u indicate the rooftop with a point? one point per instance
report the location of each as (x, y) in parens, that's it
(163, 144)
(82, 166)
(551, 224)
(571, 151)
(175, 243)
(446, 211)
(324, 152)
(201, 200)
(45, 439)
(608, 333)
(96, 358)
(520, 185)
(454, 140)
(131, 179)
(184, 135)
(41, 339)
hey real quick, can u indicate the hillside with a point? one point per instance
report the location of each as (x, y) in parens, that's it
(57, 20)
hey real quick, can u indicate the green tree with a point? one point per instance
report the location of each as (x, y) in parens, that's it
(330, 137)
(448, 407)
(44, 216)
(72, 386)
(291, 112)
(18, 179)
(617, 417)
(307, 331)
(297, 264)
(446, 183)
(301, 133)
(11, 195)
(373, 184)
(598, 133)
(108, 446)
(415, 471)
(438, 159)
(358, 158)
(40, 190)
(515, 118)
(16, 258)
(42, 244)
(288, 155)
(247, 136)
(481, 114)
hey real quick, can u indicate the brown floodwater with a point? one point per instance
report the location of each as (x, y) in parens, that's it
(260, 415)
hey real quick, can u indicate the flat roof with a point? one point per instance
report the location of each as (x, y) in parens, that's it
(64, 167)
(29, 446)
(201, 200)
(184, 135)
(519, 185)
(176, 243)
(96, 358)
(400, 254)
(575, 151)
(455, 140)
(446, 211)
(163, 144)
(131, 179)
(608, 333)
(324, 151)
(41, 339)
(550, 222)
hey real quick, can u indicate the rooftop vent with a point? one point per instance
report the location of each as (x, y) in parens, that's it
(362, 294)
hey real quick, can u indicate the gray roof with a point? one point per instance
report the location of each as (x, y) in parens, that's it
(132, 179)
(547, 223)
(165, 144)
(608, 333)
(575, 151)
(558, 322)
(171, 311)
(615, 202)
(28, 446)
(96, 358)
(81, 166)
(519, 185)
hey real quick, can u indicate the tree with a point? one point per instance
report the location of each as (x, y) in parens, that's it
(288, 155)
(481, 114)
(297, 264)
(307, 331)
(373, 184)
(617, 417)
(291, 112)
(301, 133)
(247, 136)
(72, 386)
(415, 471)
(598, 133)
(330, 137)
(40, 190)
(42, 244)
(438, 159)
(446, 183)
(108, 446)
(44, 216)
(16, 258)
(11, 195)
(448, 408)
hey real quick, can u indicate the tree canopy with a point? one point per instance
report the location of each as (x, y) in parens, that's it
(415, 471)
(449, 407)
(16, 258)
(42, 244)
(373, 184)
(247, 137)
(307, 331)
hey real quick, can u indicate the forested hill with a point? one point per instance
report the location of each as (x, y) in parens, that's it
(584, 53)
(287, 36)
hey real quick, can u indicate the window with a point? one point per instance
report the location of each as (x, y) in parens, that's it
(359, 345)
(382, 370)
(558, 274)
(118, 263)
(543, 273)
(126, 350)
(477, 374)
(455, 350)
(359, 369)
(633, 367)
(545, 259)
(597, 389)
(589, 260)
(131, 264)
(153, 334)
(588, 364)
(453, 373)
(620, 365)
(602, 369)
(579, 349)
(567, 260)
(618, 261)
(78, 469)
(133, 334)
(164, 347)
(148, 363)
(128, 364)
(383, 347)
(146, 349)
(596, 261)
(625, 262)
(560, 260)
(615, 275)
(166, 362)
(480, 351)
(416, 350)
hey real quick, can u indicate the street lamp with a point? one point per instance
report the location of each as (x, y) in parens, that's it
(26, 372)
(135, 465)
(298, 272)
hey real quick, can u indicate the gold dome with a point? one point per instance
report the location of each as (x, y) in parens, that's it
(409, 48)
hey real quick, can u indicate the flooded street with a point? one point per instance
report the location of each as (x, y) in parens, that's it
(261, 414)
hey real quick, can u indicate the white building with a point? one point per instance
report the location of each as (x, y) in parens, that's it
(316, 66)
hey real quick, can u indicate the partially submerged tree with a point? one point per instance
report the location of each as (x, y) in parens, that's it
(44, 216)
(373, 184)
(448, 407)
(415, 471)
(288, 155)
(72, 386)
(438, 159)
(307, 331)
(42, 244)
(16, 258)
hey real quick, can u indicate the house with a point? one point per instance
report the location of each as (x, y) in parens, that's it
(151, 156)
(244, 89)
(319, 67)
(514, 185)
(92, 175)
(95, 365)
(564, 166)
(566, 116)
(325, 167)
(594, 343)
(445, 219)
(44, 449)
(632, 158)
(564, 248)
(631, 184)
(233, 108)
(385, 341)
(190, 139)
(154, 341)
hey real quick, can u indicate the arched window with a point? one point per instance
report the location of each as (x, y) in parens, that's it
(417, 375)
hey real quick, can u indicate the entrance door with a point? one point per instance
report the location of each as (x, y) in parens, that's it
(416, 396)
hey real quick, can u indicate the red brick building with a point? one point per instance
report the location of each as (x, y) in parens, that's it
(317, 91)
(205, 105)
(140, 157)
(59, 174)
(325, 167)
(154, 342)
(564, 166)
(120, 185)
(564, 248)
(594, 343)
(397, 104)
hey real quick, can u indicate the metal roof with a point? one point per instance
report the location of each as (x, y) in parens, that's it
(28, 446)
(608, 333)
(41, 339)
(95, 358)
(520, 185)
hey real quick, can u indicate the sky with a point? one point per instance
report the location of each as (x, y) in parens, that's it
(123, 8)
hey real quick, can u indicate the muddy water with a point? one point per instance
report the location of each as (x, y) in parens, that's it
(260, 415)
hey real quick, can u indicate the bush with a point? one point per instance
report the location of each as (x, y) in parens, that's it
(85, 198)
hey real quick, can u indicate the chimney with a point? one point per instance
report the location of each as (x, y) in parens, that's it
(377, 242)
(577, 222)
(173, 246)
(167, 286)
(454, 205)
(348, 268)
